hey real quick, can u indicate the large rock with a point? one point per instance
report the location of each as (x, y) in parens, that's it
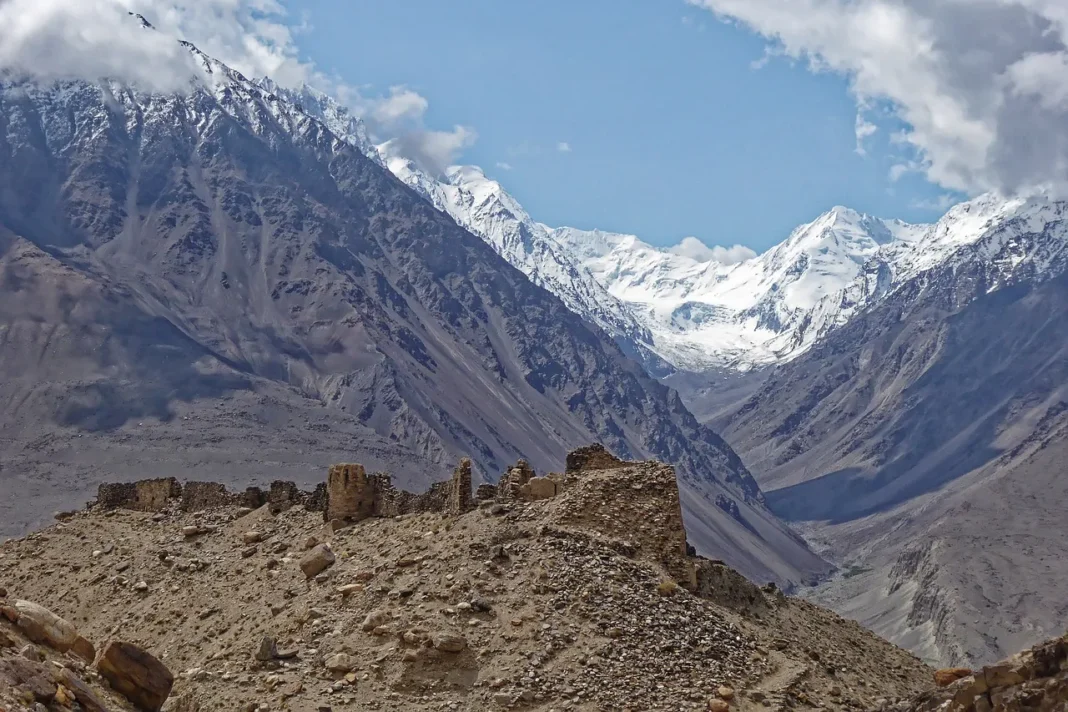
(140, 677)
(317, 560)
(43, 626)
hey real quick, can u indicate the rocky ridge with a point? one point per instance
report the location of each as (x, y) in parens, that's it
(569, 591)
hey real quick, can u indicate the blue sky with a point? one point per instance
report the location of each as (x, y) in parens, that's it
(672, 130)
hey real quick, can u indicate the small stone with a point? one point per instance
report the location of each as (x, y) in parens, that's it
(252, 537)
(374, 619)
(31, 652)
(249, 552)
(268, 649)
(141, 586)
(449, 642)
(716, 705)
(316, 561)
(349, 589)
(725, 692)
(340, 663)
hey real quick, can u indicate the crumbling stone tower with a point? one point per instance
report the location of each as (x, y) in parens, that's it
(350, 495)
(460, 499)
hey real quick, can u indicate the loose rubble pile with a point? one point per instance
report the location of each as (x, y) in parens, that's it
(574, 593)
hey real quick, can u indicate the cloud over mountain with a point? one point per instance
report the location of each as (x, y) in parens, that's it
(979, 83)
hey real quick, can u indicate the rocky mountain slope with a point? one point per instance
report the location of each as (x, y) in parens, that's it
(923, 444)
(216, 283)
(669, 309)
(577, 594)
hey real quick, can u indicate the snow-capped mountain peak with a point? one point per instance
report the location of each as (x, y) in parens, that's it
(663, 306)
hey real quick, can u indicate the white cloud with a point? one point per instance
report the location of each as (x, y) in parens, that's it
(504, 165)
(432, 151)
(981, 84)
(696, 250)
(940, 204)
(94, 40)
(563, 147)
(401, 105)
(864, 130)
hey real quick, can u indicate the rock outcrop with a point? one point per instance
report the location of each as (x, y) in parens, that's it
(1034, 680)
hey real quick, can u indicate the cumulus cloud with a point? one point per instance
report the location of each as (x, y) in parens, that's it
(94, 40)
(504, 165)
(90, 40)
(981, 84)
(402, 104)
(431, 151)
(696, 250)
(563, 147)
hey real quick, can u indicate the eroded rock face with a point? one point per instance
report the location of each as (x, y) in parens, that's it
(137, 675)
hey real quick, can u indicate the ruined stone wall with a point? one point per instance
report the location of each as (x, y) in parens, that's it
(198, 496)
(359, 496)
(349, 495)
(637, 503)
(143, 496)
(590, 458)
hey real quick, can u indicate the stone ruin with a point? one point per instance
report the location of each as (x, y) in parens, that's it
(350, 494)
(592, 457)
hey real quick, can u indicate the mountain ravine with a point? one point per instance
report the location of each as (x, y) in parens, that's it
(924, 446)
(213, 285)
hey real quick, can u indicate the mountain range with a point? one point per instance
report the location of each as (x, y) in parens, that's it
(236, 283)
(897, 389)
(215, 283)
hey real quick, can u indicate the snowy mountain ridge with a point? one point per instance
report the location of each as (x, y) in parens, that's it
(674, 311)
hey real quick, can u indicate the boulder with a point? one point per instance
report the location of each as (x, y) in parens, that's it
(43, 626)
(316, 561)
(84, 649)
(137, 675)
